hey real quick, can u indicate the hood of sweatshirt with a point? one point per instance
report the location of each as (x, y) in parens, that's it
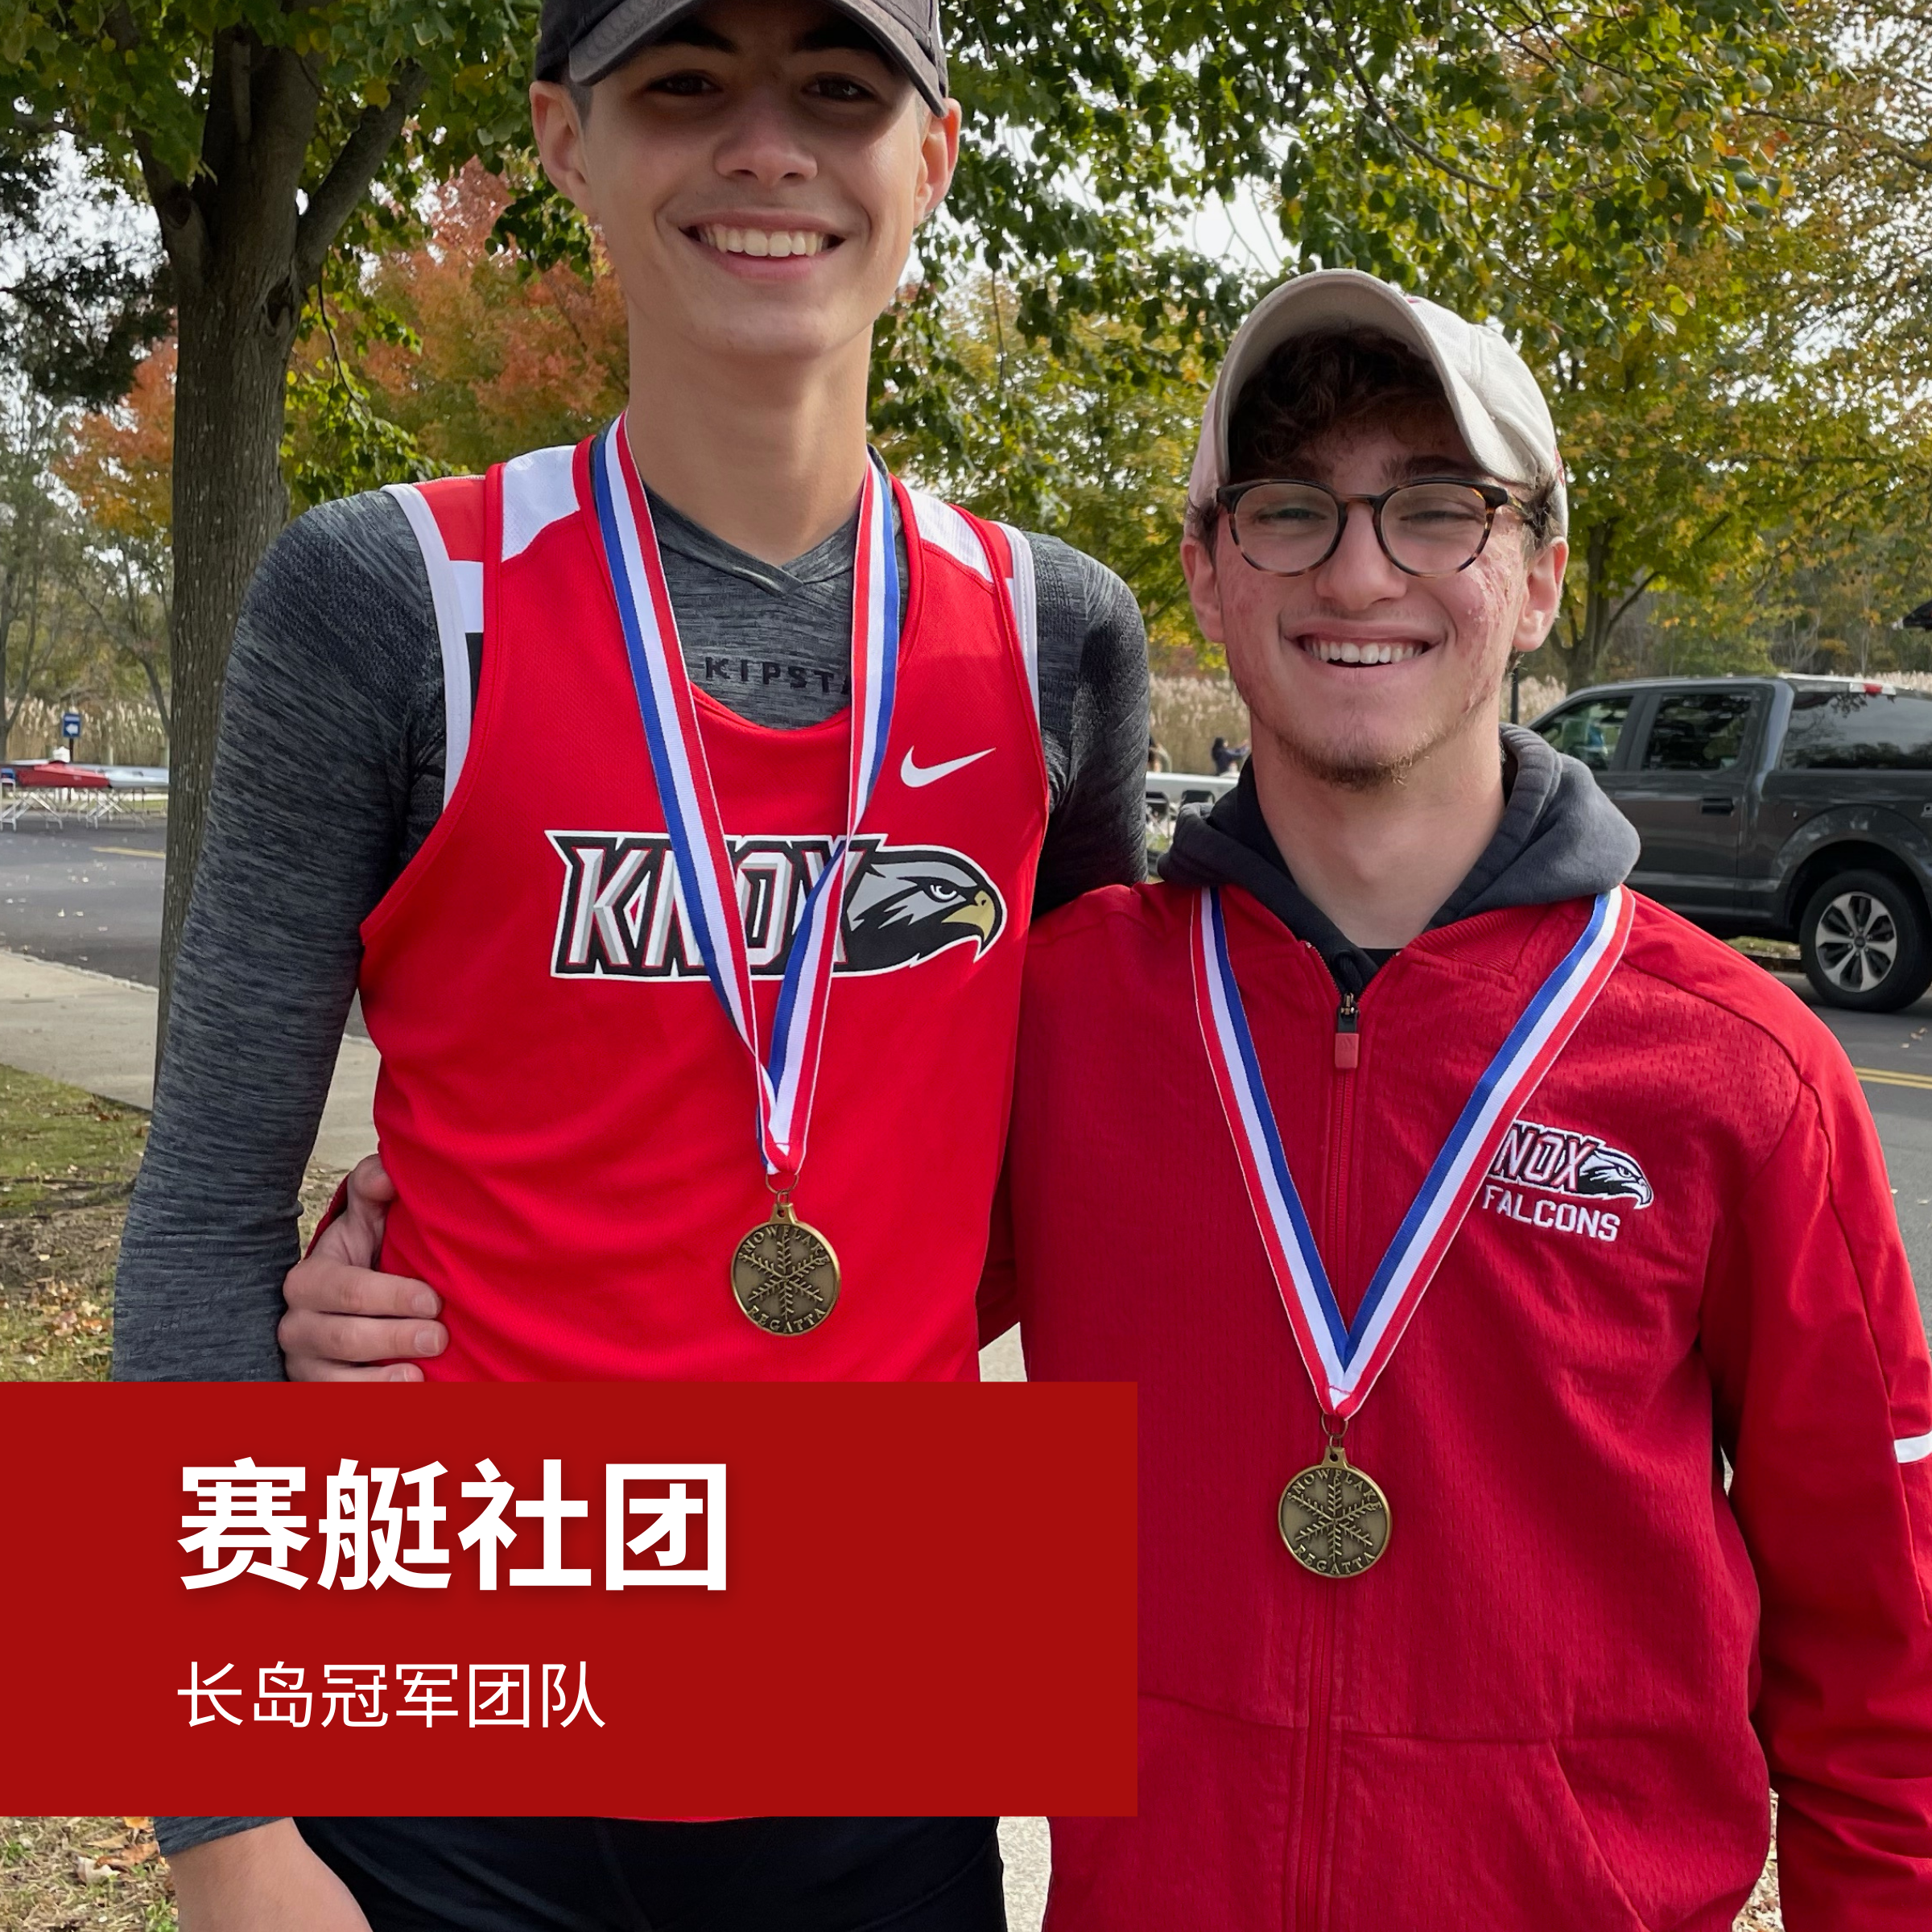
(1560, 838)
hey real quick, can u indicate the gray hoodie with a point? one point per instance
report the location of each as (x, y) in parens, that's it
(1560, 838)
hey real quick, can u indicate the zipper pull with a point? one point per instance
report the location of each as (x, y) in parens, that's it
(1347, 1042)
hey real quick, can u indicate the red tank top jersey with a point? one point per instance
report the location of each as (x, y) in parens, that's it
(569, 1118)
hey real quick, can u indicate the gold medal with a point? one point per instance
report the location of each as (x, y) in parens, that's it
(784, 1274)
(1334, 1519)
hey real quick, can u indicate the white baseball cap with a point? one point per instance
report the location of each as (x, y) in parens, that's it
(1490, 391)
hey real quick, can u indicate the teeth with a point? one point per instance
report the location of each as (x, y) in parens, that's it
(1346, 651)
(761, 242)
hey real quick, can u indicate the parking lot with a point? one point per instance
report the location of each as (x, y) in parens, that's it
(92, 899)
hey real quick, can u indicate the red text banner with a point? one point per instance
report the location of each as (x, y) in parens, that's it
(645, 1600)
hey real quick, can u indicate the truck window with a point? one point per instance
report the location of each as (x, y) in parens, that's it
(1588, 731)
(1698, 731)
(1859, 730)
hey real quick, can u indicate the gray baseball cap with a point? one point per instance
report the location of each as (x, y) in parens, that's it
(1490, 391)
(583, 40)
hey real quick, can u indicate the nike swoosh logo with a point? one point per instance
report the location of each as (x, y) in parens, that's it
(927, 774)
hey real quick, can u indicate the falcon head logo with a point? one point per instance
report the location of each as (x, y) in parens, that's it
(910, 902)
(1611, 1172)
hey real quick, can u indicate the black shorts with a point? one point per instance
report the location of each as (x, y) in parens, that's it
(608, 1875)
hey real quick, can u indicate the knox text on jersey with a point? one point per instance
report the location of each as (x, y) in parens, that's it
(622, 914)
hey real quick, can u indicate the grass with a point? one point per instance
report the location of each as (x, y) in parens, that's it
(67, 1161)
(60, 1874)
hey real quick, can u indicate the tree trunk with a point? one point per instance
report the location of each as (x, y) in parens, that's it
(230, 503)
(243, 249)
(1590, 633)
(155, 691)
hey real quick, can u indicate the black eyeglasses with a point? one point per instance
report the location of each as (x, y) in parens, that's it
(1432, 527)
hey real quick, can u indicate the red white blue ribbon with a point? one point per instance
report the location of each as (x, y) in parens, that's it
(788, 1075)
(1344, 1358)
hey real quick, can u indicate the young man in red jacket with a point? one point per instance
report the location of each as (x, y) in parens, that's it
(1535, 1414)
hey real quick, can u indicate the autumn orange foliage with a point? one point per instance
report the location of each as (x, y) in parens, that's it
(507, 361)
(121, 465)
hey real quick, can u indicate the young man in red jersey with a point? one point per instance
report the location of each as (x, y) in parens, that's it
(1504, 1603)
(847, 738)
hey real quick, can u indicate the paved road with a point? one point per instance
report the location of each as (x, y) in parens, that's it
(92, 899)
(1893, 1052)
(85, 897)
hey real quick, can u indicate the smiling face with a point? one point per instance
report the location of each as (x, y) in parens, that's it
(1354, 671)
(757, 175)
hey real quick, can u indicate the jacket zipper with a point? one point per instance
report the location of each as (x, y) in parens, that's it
(1321, 1676)
(1348, 1042)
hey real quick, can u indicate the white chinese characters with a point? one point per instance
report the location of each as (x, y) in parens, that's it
(381, 1525)
(368, 1697)
(246, 1516)
(666, 1534)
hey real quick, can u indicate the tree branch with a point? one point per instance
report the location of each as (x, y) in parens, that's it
(1374, 104)
(348, 179)
(184, 232)
(1650, 577)
(1623, 609)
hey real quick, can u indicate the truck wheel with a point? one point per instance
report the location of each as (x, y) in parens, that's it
(1865, 942)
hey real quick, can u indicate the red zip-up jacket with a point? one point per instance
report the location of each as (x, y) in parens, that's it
(1558, 1699)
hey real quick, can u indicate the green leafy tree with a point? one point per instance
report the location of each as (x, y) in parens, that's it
(1738, 386)
(119, 467)
(28, 542)
(1055, 442)
(255, 129)
(42, 623)
(1548, 170)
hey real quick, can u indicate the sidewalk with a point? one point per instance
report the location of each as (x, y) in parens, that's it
(98, 1033)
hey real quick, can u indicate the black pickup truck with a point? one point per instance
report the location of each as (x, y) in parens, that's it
(1788, 807)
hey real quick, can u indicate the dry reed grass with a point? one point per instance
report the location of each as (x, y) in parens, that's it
(115, 731)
